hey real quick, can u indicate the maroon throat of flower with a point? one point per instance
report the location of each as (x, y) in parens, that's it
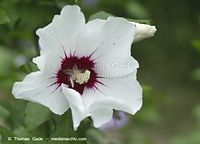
(77, 73)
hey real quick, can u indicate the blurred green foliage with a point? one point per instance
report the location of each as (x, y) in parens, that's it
(169, 71)
(3, 17)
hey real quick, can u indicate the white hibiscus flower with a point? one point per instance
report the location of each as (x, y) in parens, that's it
(85, 67)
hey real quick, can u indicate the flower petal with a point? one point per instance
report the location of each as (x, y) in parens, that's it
(61, 33)
(90, 38)
(36, 88)
(143, 31)
(113, 55)
(117, 39)
(40, 62)
(48, 63)
(121, 94)
(76, 105)
(116, 67)
(106, 41)
(101, 116)
(90, 95)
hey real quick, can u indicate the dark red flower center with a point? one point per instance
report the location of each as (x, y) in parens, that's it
(77, 73)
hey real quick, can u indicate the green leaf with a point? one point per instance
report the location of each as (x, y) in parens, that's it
(41, 131)
(4, 134)
(63, 127)
(4, 113)
(28, 68)
(6, 57)
(36, 115)
(3, 17)
(136, 9)
(10, 7)
(196, 113)
(196, 44)
(95, 137)
(31, 16)
(196, 74)
(146, 87)
(101, 15)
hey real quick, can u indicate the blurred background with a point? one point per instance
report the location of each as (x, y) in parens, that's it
(169, 65)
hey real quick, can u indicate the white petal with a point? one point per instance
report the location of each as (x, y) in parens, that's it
(40, 62)
(101, 116)
(48, 63)
(117, 39)
(143, 31)
(116, 67)
(48, 39)
(36, 88)
(111, 43)
(90, 95)
(76, 105)
(90, 38)
(61, 34)
(122, 94)
(113, 55)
